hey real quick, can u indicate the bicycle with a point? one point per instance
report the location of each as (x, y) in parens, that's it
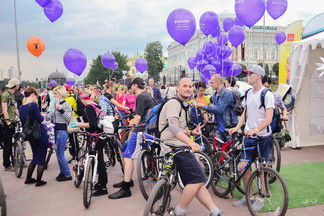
(18, 147)
(3, 204)
(227, 177)
(160, 197)
(150, 162)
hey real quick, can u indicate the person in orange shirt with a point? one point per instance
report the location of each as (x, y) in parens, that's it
(201, 98)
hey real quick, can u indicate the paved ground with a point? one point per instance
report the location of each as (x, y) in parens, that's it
(62, 198)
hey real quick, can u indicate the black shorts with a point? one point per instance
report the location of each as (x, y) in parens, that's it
(190, 170)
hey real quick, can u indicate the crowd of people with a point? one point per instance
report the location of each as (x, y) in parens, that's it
(61, 106)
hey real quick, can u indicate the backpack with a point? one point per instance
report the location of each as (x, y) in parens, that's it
(80, 106)
(105, 104)
(153, 117)
(238, 107)
(276, 123)
(104, 121)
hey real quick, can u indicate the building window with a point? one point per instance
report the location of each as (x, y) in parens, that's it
(273, 54)
(266, 54)
(256, 54)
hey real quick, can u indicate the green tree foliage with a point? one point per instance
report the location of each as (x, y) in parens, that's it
(266, 68)
(242, 74)
(99, 73)
(275, 68)
(153, 55)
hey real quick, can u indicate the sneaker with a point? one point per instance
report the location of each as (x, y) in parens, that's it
(61, 175)
(242, 202)
(64, 178)
(220, 213)
(258, 204)
(100, 192)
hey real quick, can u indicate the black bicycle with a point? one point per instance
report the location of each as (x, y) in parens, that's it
(159, 200)
(3, 205)
(227, 176)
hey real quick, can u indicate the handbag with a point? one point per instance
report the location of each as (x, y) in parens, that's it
(32, 131)
(68, 124)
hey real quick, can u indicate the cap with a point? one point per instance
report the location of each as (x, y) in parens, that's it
(257, 69)
(13, 82)
(138, 81)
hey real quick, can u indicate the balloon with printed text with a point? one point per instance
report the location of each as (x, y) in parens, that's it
(75, 61)
(35, 46)
(236, 35)
(192, 62)
(276, 8)
(208, 22)
(53, 10)
(249, 11)
(181, 25)
(228, 23)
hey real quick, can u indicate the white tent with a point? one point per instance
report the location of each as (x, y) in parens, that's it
(306, 78)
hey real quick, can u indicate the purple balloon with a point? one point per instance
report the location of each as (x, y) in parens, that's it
(208, 47)
(217, 64)
(141, 64)
(115, 66)
(205, 79)
(43, 3)
(249, 11)
(108, 60)
(181, 25)
(209, 71)
(238, 22)
(208, 22)
(236, 35)
(228, 23)
(237, 69)
(222, 39)
(200, 55)
(53, 10)
(280, 37)
(226, 64)
(69, 81)
(75, 61)
(216, 32)
(53, 82)
(192, 62)
(276, 8)
(224, 52)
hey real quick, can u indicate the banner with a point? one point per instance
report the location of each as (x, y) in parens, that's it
(293, 33)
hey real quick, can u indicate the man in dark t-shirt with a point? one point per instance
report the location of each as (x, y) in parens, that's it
(144, 102)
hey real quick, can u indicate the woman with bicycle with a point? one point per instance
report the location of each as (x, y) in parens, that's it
(90, 119)
(39, 147)
(60, 116)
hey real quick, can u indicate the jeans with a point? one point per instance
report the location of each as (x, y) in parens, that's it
(61, 137)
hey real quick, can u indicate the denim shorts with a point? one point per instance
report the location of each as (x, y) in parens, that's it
(190, 170)
(265, 148)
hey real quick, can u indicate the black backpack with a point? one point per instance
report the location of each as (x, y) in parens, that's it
(276, 123)
(80, 106)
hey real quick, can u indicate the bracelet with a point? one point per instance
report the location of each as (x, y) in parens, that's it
(256, 129)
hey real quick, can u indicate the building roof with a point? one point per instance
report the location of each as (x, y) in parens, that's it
(56, 75)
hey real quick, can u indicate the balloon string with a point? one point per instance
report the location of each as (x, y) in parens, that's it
(185, 51)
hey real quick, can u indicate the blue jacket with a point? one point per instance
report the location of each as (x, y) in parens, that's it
(225, 106)
(157, 94)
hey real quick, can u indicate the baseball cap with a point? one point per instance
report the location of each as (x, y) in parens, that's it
(257, 69)
(13, 82)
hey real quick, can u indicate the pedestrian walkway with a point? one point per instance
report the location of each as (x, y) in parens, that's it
(63, 199)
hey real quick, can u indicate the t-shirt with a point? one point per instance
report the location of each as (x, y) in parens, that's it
(119, 99)
(130, 101)
(203, 100)
(11, 107)
(255, 114)
(109, 96)
(90, 116)
(144, 102)
(172, 109)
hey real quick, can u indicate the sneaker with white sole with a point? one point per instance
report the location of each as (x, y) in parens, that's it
(258, 204)
(242, 202)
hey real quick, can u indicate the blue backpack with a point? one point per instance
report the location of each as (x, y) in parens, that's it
(276, 124)
(153, 115)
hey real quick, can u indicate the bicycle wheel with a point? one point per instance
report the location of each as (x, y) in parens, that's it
(274, 159)
(87, 187)
(159, 199)
(78, 172)
(220, 182)
(18, 158)
(275, 195)
(209, 148)
(147, 172)
(206, 164)
(3, 205)
(117, 148)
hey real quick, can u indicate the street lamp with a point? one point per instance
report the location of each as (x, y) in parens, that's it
(17, 47)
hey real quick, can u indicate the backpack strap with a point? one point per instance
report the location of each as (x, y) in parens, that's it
(245, 98)
(263, 93)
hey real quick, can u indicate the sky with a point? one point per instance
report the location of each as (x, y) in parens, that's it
(99, 26)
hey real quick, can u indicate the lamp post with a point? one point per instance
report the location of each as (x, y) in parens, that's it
(17, 47)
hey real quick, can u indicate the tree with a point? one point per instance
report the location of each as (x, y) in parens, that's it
(99, 73)
(266, 68)
(275, 69)
(153, 55)
(242, 74)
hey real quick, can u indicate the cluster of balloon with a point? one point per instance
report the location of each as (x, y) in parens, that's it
(53, 9)
(35, 46)
(69, 81)
(75, 61)
(53, 82)
(141, 64)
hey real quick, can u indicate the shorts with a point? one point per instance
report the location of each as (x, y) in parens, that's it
(265, 148)
(188, 167)
(133, 146)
